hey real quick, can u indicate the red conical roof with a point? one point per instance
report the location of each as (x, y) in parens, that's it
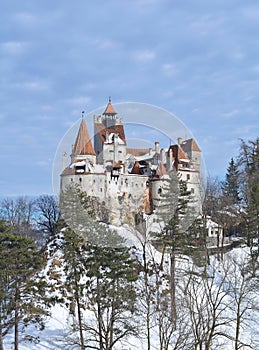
(109, 110)
(83, 144)
(161, 170)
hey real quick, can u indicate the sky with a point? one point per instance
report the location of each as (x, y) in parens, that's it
(197, 59)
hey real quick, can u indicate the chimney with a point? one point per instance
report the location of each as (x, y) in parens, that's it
(162, 156)
(157, 147)
(64, 160)
(150, 151)
(170, 159)
(180, 140)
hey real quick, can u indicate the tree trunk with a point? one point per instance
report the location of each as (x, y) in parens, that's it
(1, 329)
(147, 297)
(172, 282)
(16, 319)
(80, 323)
(237, 328)
(99, 312)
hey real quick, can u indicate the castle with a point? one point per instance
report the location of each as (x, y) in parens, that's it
(127, 181)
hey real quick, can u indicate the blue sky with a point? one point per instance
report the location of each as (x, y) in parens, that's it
(198, 59)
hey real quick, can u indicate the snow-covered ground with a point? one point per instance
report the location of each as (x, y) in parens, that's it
(55, 335)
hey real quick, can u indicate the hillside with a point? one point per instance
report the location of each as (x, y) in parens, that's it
(217, 300)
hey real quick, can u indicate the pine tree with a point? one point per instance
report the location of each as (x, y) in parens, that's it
(176, 214)
(231, 186)
(111, 295)
(22, 291)
(249, 165)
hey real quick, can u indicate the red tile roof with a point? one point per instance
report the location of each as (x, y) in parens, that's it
(135, 169)
(109, 110)
(83, 144)
(116, 129)
(161, 170)
(190, 145)
(178, 155)
(137, 152)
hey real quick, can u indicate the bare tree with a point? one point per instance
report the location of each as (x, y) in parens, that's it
(207, 303)
(47, 207)
(244, 302)
(20, 214)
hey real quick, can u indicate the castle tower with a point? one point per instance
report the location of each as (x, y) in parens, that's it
(83, 148)
(109, 137)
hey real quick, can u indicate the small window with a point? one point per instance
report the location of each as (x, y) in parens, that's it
(120, 151)
(71, 180)
(111, 150)
(101, 189)
(159, 191)
(192, 190)
(188, 176)
(80, 179)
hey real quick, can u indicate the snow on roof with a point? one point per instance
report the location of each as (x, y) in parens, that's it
(98, 168)
(211, 223)
(146, 156)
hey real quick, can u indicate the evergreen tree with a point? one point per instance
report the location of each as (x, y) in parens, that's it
(22, 291)
(111, 295)
(176, 211)
(249, 165)
(98, 273)
(73, 248)
(231, 186)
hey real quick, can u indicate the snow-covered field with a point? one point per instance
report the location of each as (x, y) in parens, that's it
(56, 336)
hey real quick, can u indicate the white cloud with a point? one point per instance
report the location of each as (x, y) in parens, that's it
(169, 69)
(144, 56)
(207, 24)
(43, 163)
(39, 85)
(80, 101)
(231, 114)
(252, 12)
(14, 47)
(25, 18)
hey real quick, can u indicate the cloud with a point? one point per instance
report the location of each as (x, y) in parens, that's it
(14, 47)
(144, 56)
(231, 114)
(79, 101)
(37, 85)
(43, 163)
(252, 12)
(206, 24)
(169, 69)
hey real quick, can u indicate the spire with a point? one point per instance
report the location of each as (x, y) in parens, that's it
(161, 170)
(83, 144)
(109, 110)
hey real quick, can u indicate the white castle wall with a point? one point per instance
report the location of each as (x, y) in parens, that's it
(123, 196)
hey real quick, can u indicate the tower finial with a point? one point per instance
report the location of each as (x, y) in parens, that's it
(83, 113)
(110, 99)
